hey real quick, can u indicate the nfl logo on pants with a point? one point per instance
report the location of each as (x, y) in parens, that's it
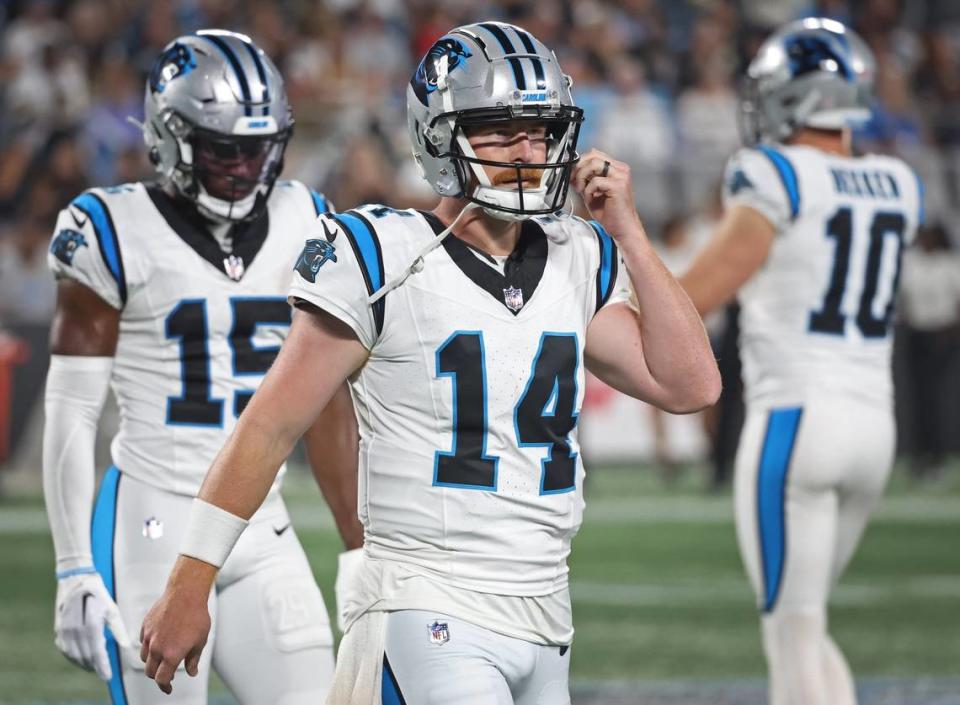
(439, 633)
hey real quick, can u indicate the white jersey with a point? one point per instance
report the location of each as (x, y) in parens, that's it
(470, 469)
(198, 327)
(817, 315)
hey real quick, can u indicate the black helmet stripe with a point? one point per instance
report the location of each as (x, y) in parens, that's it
(530, 48)
(237, 69)
(526, 40)
(500, 36)
(518, 73)
(262, 75)
(538, 72)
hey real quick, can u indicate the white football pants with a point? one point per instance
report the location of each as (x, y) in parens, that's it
(270, 639)
(807, 479)
(415, 657)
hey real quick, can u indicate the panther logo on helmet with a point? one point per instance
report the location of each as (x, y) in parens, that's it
(424, 80)
(176, 61)
(808, 54)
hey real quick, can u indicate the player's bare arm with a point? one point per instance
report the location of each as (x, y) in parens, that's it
(658, 352)
(290, 399)
(83, 323)
(331, 444)
(738, 249)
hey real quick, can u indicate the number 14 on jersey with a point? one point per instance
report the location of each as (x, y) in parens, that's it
(544, 415)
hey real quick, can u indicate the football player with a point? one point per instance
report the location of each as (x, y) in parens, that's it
(174, 295)
(465, 333)
(811, 242)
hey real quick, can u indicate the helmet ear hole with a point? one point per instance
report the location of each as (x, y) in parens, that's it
(154, 156)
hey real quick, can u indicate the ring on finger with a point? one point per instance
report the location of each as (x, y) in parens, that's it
(606, 168)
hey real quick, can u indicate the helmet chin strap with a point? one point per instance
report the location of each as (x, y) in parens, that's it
(417, 264)
(225, 211)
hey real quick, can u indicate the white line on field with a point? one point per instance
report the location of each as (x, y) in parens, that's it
(847, 594)
(646, 510)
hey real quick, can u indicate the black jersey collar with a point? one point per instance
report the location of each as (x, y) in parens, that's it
(191, 227)
(522, 272)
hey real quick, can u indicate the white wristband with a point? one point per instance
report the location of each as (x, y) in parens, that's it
(211, 533)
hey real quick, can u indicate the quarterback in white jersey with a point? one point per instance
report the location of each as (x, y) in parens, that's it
(174, 295)
(811, 241)
(464, 334)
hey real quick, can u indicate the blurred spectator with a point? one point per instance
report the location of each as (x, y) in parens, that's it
(707, 116)
(107, 132)
(656, 80)
(636, 128)
(930, 311)
(27, 290)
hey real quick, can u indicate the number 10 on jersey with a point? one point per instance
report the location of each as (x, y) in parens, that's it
(544, 416)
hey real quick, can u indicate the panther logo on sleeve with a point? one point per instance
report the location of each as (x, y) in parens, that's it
(316, 253)
(738, 182)
(66, 243)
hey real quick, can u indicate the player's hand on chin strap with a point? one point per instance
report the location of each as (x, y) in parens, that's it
(84, 607)
(607, 191)
(175, 629)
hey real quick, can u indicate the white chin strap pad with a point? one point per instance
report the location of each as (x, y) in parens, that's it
(226, 210)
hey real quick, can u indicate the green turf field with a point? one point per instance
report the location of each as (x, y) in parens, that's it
(659, 594)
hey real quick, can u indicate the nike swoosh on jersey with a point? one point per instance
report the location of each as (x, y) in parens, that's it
(330, 235)
(281, 529)
(80, 222)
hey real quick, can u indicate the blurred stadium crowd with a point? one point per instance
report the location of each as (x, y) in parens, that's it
(657, 79)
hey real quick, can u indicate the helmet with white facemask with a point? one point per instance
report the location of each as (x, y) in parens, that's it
(217, 122)
(478, 76)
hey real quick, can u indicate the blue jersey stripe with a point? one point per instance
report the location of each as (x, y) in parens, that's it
(366, 247)
(262, 75)
(319, 202)
(787, 175)
(102, 535)
(389, 688)
(97, 211)
(237, 69)
(778, 444)
(607, 272)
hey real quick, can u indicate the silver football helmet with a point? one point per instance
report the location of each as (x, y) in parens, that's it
(217, 122)
(811, 73)
(479, 75)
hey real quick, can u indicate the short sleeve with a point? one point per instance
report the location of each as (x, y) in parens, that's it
(337, 270)
(763, 179)
(612, 279)
(85, 248)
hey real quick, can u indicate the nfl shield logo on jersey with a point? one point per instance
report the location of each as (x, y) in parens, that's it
(234, 267)
(513, 298)
(439, 633)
